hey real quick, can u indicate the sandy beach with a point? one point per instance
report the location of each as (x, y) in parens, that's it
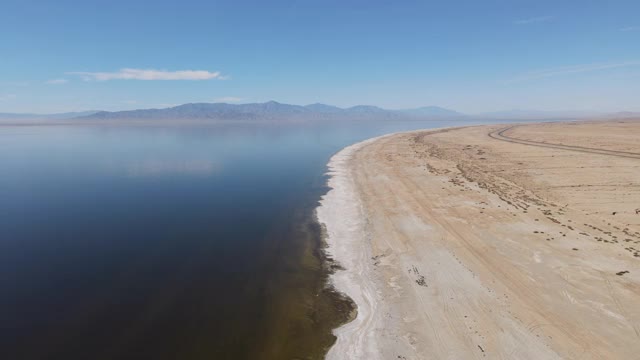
(489, 242)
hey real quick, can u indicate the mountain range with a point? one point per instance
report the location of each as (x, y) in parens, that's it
(275, 111)
(272, 110)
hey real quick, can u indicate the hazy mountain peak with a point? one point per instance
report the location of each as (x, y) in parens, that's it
(319, 107)
(432, 111)
(366, 109)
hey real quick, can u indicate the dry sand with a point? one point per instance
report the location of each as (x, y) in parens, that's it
(489, 242)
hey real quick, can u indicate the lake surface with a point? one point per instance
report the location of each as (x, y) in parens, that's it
(168, 242)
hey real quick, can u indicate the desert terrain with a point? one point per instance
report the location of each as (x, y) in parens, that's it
(497, 242)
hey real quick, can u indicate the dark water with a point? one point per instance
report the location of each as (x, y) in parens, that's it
(167, 242)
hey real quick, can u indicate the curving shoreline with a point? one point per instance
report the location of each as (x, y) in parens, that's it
(459, 245)
(342, 214)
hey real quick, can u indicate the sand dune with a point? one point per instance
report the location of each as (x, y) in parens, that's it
(489, 242)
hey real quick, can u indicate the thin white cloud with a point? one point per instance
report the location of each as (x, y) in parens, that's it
(228, 99)
(164, 105)
(540, 74)
(629, 28)
(57, 81)
(149, 74)
(533, 20)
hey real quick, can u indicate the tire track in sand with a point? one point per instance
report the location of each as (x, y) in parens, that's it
(499, 135)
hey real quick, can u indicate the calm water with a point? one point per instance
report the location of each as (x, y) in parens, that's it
(167, 242)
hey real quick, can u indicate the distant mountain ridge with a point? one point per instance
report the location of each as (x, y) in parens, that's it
(433, 111)
(275, 111)
(57, 116)
(271, 110)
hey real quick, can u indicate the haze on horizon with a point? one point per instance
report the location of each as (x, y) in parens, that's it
(468, 56)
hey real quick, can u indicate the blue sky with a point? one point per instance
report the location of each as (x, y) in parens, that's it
(472, 56)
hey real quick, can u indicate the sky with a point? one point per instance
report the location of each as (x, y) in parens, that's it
(471, 56)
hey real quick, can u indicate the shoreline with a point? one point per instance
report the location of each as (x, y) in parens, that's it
(343, 217)
(458, 244)
(340, 212)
